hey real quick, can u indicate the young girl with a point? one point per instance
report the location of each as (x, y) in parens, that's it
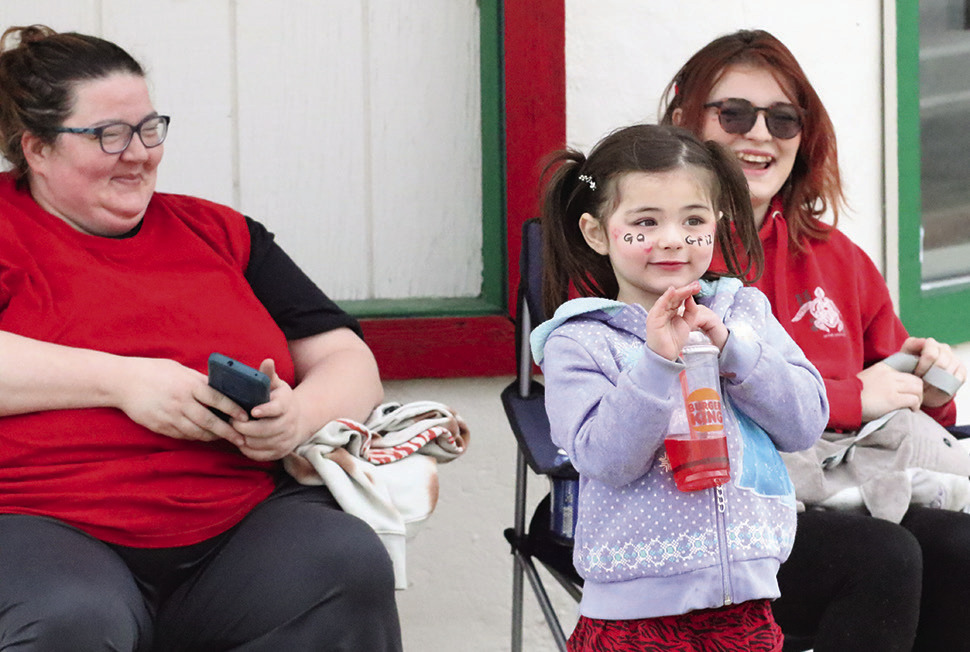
(633, 228)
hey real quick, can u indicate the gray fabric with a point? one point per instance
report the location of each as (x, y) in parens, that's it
(907, 459)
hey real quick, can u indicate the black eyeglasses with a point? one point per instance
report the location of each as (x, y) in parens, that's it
(116, 136)
(737, 116)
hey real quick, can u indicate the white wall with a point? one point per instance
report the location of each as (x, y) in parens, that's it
(342, 125)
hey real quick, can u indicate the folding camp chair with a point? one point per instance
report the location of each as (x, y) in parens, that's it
(524, 402)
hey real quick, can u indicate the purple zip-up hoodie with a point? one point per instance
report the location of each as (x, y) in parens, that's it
(644, 548)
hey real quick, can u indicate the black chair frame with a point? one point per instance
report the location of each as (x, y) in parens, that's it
(524, 402)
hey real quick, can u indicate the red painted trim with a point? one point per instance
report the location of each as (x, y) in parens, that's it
(535, 125)
(535, 108)
(447, 347)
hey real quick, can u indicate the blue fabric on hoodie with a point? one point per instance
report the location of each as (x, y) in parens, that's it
(644, 548)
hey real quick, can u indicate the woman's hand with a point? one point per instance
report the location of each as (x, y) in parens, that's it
(336, 377)
(172, 400)
(884, 389)
(674, 315)
(276, 428)
(934, 354)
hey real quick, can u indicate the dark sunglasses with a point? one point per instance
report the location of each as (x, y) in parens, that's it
(737, 116)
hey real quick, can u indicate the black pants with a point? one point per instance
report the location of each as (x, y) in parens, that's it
(854, 582)
(296, 574)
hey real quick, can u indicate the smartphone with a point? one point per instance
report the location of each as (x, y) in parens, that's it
(246, 386)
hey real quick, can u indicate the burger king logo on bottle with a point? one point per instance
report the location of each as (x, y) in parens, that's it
(704, 411)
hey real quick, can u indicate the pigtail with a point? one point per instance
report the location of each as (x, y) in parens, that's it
(734, 201)
(556, 199)
(570, 191)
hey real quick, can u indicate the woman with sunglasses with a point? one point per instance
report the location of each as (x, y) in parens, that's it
(131, 516)
(852, 582)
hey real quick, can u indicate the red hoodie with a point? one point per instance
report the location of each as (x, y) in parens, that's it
(835, 304)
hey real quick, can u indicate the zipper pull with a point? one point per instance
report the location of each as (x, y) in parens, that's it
(721, 499)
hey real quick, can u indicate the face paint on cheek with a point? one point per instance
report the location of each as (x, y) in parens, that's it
(646, 246)
(700, 240)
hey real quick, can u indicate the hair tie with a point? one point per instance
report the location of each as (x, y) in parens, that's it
(588, 180)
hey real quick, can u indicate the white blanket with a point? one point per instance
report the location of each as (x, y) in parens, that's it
(384, 471)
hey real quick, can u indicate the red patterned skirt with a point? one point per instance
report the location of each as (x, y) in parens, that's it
(745, 627)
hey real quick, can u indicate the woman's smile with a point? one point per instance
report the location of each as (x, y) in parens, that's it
(767, 161)
(74, 179)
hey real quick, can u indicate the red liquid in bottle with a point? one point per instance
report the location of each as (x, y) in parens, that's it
(698, 462)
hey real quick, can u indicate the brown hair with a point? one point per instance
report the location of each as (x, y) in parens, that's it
(579, 184)
(39, 69)
(814, 184)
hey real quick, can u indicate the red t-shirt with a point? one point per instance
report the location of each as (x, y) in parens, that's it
(174, 290)
(835, 305)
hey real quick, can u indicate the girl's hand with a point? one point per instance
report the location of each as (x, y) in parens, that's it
(276, 428)
(667, 327)
(172, 400)
(674, 315)
(706, 320)
(932, 353)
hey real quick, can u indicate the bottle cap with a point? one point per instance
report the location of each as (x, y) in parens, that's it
(698, 342)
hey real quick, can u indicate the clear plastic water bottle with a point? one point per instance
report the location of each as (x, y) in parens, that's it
(695, 443)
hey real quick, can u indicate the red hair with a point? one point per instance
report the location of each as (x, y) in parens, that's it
(814, 184)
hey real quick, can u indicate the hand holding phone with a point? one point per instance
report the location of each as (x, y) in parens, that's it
(247, 387)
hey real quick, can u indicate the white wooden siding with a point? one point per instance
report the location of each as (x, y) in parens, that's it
(351, 128)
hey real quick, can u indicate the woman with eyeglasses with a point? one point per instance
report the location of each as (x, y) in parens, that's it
(852, 582)
(131, 516)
